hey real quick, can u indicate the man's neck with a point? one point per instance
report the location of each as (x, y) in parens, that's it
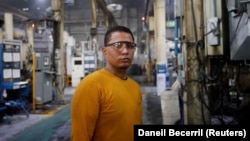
(121, 73)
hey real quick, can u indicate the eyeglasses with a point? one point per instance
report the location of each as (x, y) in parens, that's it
(120, 45)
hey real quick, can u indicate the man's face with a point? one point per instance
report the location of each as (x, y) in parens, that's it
(119, 50)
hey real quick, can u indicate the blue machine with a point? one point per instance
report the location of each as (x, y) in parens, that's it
(10, 77)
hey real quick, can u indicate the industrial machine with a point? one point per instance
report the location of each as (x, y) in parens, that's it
(44, 70)
(77, 70)
(13, 90)
(90, 62)
(2, 103)
(30, 56)
(44, 88)
(90, 56)
(212, 55)
(82, 66)
(83, 62)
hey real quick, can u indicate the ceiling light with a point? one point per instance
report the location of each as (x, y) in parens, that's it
(113, 7)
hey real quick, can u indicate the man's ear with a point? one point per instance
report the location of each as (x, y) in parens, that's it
(104, 50)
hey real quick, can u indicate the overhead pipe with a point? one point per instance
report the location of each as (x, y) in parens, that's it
(146, 10)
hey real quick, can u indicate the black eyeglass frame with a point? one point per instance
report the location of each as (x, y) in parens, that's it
(129, 45)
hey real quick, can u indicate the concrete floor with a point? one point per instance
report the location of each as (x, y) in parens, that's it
(21, 124)
(55, 125)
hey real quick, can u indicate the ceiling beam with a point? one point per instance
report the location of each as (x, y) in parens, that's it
(16, 12)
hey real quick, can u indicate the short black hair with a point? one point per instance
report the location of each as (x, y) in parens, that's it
(115, 29)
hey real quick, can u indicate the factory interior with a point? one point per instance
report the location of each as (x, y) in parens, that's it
(191, 56)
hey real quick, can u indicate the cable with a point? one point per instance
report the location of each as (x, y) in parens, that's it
(233, 35)
(193, 16)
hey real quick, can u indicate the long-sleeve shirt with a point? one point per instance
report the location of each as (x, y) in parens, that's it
(105, 108)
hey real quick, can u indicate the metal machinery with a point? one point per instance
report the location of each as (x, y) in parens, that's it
(2, 103)
(13, 89)
(44, 70)
(77, 70)
(84, 61)
(82, 66)
(90, 56)
(69, 44)
(211, 60)
(212, 53)
(90, 62)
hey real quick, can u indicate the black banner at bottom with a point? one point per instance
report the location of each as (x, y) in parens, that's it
(194, 132)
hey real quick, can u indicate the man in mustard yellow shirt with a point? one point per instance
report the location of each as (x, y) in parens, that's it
(107, 103)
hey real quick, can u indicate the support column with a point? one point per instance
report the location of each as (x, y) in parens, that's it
(94, 32)
(30, 35)
(197, 112)
(160, 44)
(160, 30)
(57, 7)
(61, 67)
(8, 22)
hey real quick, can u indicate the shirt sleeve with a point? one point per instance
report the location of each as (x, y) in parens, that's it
(84, 111)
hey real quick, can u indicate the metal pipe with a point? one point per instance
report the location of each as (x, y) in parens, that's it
(34, 82)
(176, 28)
(30, 35)
(1, 35)
(212, 5)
